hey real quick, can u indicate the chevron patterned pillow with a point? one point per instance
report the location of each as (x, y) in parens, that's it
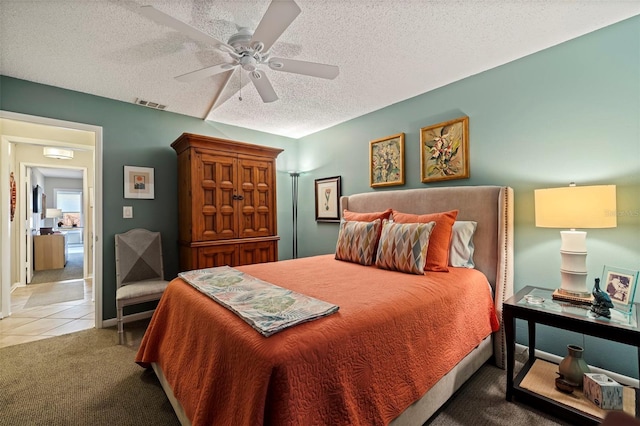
(403, 246)
(357, 241)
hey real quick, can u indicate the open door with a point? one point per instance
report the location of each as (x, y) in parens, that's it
(27, 233)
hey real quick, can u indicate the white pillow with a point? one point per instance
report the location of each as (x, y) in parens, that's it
(462, 248)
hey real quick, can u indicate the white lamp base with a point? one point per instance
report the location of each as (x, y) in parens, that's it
(573, 284)
(573, 267)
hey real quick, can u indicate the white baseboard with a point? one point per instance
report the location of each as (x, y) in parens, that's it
(129, 318)
(622, 379)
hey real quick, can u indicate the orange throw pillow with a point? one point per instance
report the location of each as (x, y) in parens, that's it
(440, 239)
(366, 217)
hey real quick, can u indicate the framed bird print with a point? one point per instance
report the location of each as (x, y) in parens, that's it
(620, 284)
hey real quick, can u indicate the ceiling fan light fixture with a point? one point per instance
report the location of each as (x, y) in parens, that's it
(248, 63)
(58, 153)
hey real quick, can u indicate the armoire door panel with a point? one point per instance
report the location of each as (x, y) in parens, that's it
(256, 181)
(260, 252)
(215, 190)
(210, 257)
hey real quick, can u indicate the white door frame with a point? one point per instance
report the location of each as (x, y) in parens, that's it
(5, 249)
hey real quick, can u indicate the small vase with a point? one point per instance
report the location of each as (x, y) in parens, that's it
(573, 366)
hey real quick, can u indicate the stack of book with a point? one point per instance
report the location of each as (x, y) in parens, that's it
(577, 299)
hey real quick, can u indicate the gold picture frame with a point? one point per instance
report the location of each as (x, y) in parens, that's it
(386, 161)
(444, 151)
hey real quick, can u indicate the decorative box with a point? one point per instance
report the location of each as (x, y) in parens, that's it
(606, 393)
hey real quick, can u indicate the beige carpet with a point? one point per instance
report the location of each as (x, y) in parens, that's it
(83, 378)
(50, 293)
(73, 270)
(86, 378)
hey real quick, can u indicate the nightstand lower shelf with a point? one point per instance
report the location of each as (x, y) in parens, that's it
(535, 385)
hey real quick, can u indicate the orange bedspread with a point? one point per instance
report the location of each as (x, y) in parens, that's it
(394, 336)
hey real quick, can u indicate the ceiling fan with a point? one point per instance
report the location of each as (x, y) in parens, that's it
(250, 49)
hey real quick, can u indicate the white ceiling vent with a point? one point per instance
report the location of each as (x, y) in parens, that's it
(150, 104)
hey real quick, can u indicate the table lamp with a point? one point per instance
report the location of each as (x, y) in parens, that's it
(53, 214)
(575, 207)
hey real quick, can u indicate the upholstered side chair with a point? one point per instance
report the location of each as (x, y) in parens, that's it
(139, 271)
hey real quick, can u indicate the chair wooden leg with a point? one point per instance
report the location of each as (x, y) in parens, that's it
(120, 328)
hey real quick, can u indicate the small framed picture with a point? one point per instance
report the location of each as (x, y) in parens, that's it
(444, 151)
(620, 284)
(386, 161)
(138, 182)
(328, 199)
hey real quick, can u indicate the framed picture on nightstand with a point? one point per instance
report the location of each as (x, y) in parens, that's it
(620, 284)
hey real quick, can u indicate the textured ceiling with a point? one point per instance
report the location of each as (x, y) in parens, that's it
(387, 51)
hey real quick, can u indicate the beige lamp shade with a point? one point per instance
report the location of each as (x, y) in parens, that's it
(576, 207)
(53, 213)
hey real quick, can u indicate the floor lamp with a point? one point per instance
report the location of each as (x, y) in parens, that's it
(294, 203)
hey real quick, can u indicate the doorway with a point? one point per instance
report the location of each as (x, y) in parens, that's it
(19, 131)
(65, 217)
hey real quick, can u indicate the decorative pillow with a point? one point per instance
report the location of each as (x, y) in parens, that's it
(462, 247)
(440, 240)
(403, 246)
(357, 241)
(366, 217)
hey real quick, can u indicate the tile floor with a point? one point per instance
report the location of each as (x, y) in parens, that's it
(40, 322)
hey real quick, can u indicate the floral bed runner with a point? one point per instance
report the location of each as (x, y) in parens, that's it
(264, 306)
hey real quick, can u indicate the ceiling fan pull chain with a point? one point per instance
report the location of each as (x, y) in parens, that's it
(240, 97)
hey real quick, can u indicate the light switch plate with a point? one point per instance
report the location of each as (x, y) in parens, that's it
(127, 212)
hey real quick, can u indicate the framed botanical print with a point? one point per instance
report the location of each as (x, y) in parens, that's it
(444, 151)
(386, 161)
(328, 199)
(139, 182)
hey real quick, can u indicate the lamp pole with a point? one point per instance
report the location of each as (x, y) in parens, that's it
(294, 203)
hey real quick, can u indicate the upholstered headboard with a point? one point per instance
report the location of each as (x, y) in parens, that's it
(490, 206)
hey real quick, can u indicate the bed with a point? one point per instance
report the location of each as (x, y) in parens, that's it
(386, 357)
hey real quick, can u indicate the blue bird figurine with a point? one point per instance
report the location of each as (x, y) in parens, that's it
(601, 301)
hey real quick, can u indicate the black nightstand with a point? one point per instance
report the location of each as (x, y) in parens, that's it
(565, 316)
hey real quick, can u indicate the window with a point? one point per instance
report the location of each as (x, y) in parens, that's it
(70, 202)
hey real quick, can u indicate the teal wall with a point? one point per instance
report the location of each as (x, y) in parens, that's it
(138, 136)
(569, 113)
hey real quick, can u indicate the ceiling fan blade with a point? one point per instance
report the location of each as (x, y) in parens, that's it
(312, 69)
(169, 21)
(221, 96)
(277, 18)
(205, 72)
(263, 86)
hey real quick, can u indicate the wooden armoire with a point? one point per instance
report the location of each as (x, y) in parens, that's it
(226, 201)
